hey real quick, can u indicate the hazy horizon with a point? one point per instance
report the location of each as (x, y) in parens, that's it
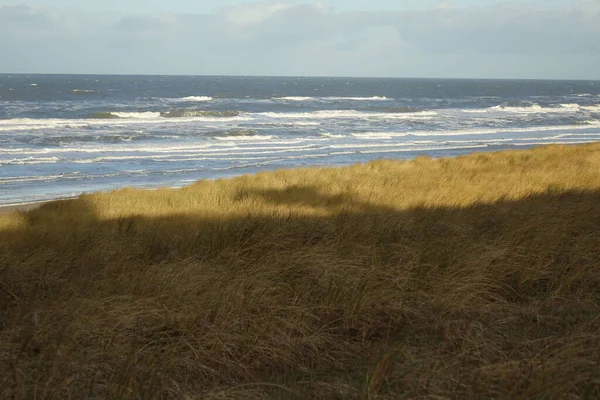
(300, 76)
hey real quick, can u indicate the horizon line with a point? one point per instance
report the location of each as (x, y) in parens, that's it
(300, 76)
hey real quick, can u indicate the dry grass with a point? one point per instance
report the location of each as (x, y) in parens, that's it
(474, 277)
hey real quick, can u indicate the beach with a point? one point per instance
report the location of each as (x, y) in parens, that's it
(19, 207)
(64, 135)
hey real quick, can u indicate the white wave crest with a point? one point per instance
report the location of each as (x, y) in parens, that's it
(83, 91)
(331, 135)
(467, 132)
(535, 109)
(245, 137)
(331, 114)
(31, 160)
(193, 99)
(594, 108)
(25, 124)
(331, 98)
(137, 115)
(295, 98)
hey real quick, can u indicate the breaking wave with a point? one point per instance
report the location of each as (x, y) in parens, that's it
(331, 98)
(190, 99)
(245, 137)
(333, 114)
(83, 91)
(199, 113)
(137, 115)
(536, 108)
(104, 115)
(174, 113)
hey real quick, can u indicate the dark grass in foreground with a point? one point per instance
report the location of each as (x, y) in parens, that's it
(475, 277)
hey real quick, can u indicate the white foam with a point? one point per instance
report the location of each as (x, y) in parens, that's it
(375, 135)
(331, 114)
(123, 118)
(476, 111)
(594, 108)
(463, 132)
(536, 109)
(374, 98)
(21, 124)
(331, 98)
(331, 135)
(292, 124)
(245, 137)
(193, 99)
(137, 115)
(83, 91)
(569, 107)
(295, 98)
(31, 160)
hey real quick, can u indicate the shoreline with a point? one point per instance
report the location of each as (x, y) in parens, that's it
(27, 206)
(4, 209)
(8, 208)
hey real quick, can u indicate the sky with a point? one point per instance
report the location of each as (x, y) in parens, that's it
(550, 39)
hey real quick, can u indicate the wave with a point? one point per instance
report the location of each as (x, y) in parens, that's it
(174, 113)
(400, 110)
(84, 91)
(331, 98)
(246, 137)
(189, 99)
(24, 124)
(331, 135)
(535, 108)
(465, 132)
(593, 108)
(234, 133)
(104, 115)
(332, 114)
(296, 98)
(185, 113)
(34, 178)
(125, 115)
(31, 160)
(137, 115)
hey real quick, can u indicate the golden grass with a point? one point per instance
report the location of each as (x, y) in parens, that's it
(474, 277)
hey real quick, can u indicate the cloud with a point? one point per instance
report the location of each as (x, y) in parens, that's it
(510, 29)
(526, 39)
(443, 5)
(253, 14)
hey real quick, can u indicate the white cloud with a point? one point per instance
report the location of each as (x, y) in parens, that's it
(443, 5)
(252, 14)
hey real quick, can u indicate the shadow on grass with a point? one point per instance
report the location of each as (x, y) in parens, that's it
(315, 295)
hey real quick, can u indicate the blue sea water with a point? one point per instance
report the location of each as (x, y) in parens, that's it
(62, 135)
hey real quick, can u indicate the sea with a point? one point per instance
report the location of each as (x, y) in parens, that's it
(63, 135)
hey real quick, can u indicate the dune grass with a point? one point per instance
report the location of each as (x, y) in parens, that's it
(472, 277)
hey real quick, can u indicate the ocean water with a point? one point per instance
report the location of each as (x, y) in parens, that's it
(62, 135)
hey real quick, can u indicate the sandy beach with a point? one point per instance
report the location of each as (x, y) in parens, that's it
(20, 207)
